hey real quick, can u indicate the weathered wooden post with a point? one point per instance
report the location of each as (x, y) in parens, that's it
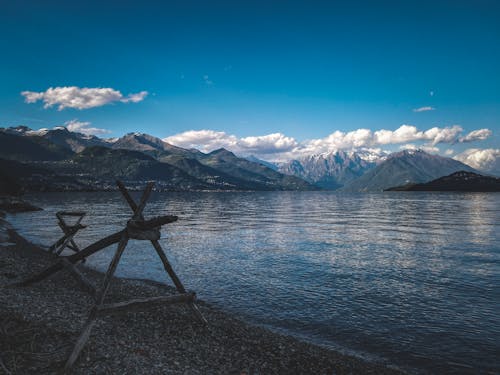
(137, 228)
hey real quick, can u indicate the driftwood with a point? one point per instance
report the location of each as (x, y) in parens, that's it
(69, 231)
(89, 250)
(166, 264)
(140, 304)
(137, 228)
(94, 248)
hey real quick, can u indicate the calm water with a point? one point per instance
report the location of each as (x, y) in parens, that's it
(409, 278)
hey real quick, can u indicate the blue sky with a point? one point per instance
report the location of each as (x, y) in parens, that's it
(252, 68)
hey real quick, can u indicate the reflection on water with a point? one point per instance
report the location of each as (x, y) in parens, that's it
(407, 277)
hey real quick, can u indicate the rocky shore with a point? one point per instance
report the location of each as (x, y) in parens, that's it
(12, 204)
(39, 325)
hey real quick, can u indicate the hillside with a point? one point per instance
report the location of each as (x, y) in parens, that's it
(138, 157)
(225, 161)
(458, 181)
(101, 165)
(25, 148)
(17, 178)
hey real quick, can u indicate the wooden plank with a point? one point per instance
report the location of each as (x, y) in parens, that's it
(163, 257)
(80, 343)
(73, 246)
(127, 196)
(71, 213)
(80, 277)
(96, 246)
(167, 266)
(177, 282)
(65, 243)
(89, 250)
(140, 304)
(84, 335)
(112, 268)
(144, 234)
(194, 308)
(144, 200)
(58, 243)
(69, 232)
(155, 222)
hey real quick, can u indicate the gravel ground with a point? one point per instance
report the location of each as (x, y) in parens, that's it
(39, 325)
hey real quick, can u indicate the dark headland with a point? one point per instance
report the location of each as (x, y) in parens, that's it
(458, 181)
(39, 325)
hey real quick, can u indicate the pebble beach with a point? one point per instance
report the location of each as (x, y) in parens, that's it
(39, 325)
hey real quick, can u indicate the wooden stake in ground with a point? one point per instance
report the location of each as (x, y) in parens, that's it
(139, 229)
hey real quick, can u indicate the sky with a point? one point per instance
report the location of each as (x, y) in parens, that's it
(272, 78)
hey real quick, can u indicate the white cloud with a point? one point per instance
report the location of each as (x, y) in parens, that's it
(449, 152)
(279, 146)
(203, 140)
(476, 135)
(424, 109)
(485, 160)
(209, 140)
(405, 133)
(442, 135)
(268, 144)
(339, 140)
(366, 138)
(80, 98)
(84, 128)
(135, 98)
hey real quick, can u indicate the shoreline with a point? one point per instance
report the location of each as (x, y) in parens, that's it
(40, 324)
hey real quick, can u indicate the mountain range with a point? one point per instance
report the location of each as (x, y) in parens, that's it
(404, 167)
(94, 163)
(65, 160)
(330, 170)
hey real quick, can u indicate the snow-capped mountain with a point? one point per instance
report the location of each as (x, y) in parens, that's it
(59, 136)
(334, 169)
(404, 167)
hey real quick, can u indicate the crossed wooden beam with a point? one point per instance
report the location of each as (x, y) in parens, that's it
(137, 228)
(69, 231)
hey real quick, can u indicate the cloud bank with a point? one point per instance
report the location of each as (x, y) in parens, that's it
(485, 159)
(80, 98)
(476, 135)
(278, 146)
(209, 140)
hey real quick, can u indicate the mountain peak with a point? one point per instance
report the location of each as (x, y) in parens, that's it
(222, 152)
(415, 152)
(61, 128)
(407, 167)
(328, 170)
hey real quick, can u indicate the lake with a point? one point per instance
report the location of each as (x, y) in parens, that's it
(412, 279)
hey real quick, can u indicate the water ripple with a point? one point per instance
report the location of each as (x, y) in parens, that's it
(412, 278)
